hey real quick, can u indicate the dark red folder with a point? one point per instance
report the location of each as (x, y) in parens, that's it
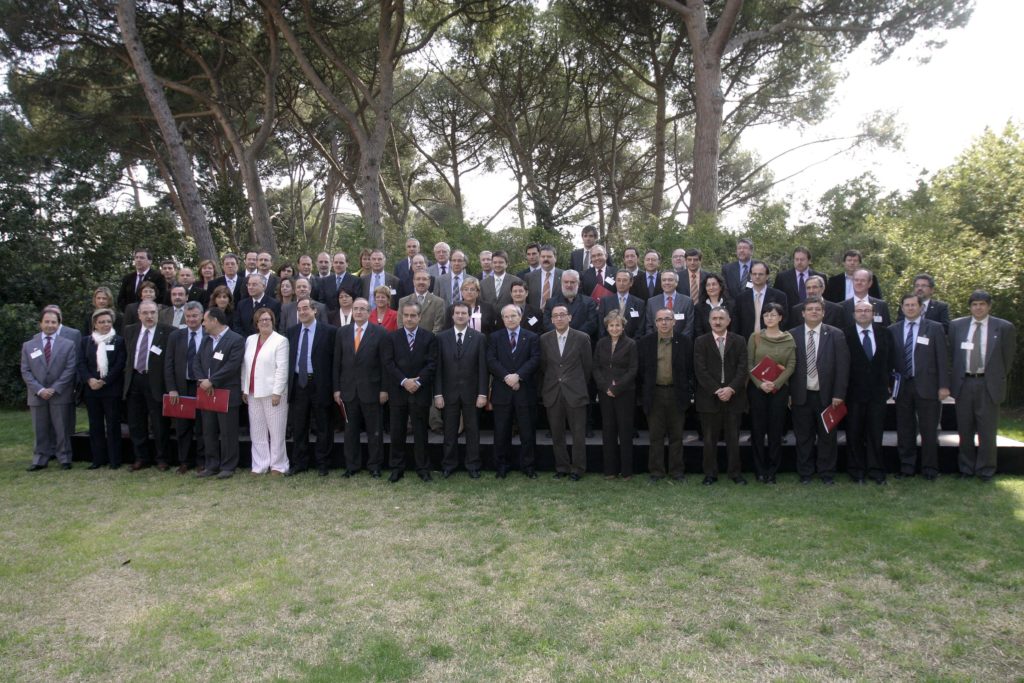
(767, 370)
(832, 416)
(218, 403)
(184, 409)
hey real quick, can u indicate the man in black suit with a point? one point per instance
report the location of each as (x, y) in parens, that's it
(720, 367)
(819, 381)
(737, 273)
(230, 278)
(219, 366)
(409, 358)
(834, 315)
(862, 280)
(359, 388)
(579, 260)
(532, 260)
(513, 359)
(327, 287)
(582, 309)
(752, 300)
(692, 277)
(180, 380)
(920, 359)
(629, 307)
(647, 283)
(840, 287)
(129, 291)
(496, 289)
(793, 282)
(257, 299)
(598, 275)
(666, 380)
(871, 361)
(310, 389)
(407, 284)
(378, 278)
(263, 266)
(193, 292)
(932, 309)
(144, 387)
(403, 267)
(460, 389)
(530, 317)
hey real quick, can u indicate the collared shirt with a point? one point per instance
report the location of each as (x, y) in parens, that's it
(562, 338)
(813, 383)
(663, 377)
(871, 335)
(849, 287)
(518, 333)
(300, 363)
(144, 357)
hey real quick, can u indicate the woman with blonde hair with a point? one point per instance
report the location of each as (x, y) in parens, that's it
(265, 391)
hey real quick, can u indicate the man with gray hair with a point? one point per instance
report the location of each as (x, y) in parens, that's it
(256, 285)
(582, 309)
(441, 266)
(180, 380)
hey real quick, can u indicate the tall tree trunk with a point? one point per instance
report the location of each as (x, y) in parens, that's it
(181, 165)
(660, 152)
(707, 137)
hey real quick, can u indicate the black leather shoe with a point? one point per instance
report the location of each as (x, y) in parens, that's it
(65, 466)
(94, 466)
(375, 474)
(761, 479)
(828, 481)
(424, 475)
(501, 473)
(530, 473)
(560, 475)
(292, 473)
(985, 479)
(321, 473)
(805, 480)
(474, 474)
(575, 477)
(653, 479)
(931, 476)
(770, 480)
(859, 481)
(348, 474)
(679, 478)
(963, 475)
(708, 481)
(881, 482)
(904, 475)
(445, 474)
(740, 481)
(396, 475)
(35, 468)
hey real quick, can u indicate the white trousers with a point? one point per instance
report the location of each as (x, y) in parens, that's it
(267, 425)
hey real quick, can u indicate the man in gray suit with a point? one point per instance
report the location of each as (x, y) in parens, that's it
(48, 366)
(289, 311)
(441, 265)
(983, 347)
(496, 289)
(432, 308)
(449, 286)
(566, 363)
(174, 315)
(219, 366)
(544, 282)
(680, 304)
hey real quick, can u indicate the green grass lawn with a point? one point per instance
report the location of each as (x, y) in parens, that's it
(141, 576)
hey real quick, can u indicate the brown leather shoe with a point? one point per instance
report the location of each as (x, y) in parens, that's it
(163, 467)
(182, 469)
(137, 465)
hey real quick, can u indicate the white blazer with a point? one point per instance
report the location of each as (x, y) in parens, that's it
(271, 366)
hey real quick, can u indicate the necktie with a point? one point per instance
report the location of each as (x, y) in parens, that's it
(561, 345)
(359, 338)
(908, 352)
(142, 352)
(650, 285)
(586, 259)
(668, 302)
(304, 358)
(802, 288)
(178, 312)
(975, 350)
(743, 273)
(600, 276)
(456, 290)
(458, 345)
(419, 300)
(721, 353)
(694, 287)
(869, 349)
(512, 341)
(337, 283)
(757, 311)
(622, 306)
(812, 357)
(412, 340)
(47, 349)
(545, 293)
(472, 321)
(444, 270)
(190, 357)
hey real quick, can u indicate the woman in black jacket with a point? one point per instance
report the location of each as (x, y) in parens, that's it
(615, 368)
(101, 370)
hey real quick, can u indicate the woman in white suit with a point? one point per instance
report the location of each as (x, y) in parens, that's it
(264, 389)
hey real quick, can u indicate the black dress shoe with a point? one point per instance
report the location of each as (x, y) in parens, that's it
(805, 480)
(740, 481)
(708, 481)
(396, 475)
(963, 475)
(65, 466)
(116, 467)
(904, 475)
(424, 475)
(530, 473)
(292, 473)
(679, 478)
(348, 474)
(828, 481)
(931, 476)
(445, 474)
(35, 468)
(858, 480)
(770, 480)
(94, 466)
(761, 479)
(560, 475)
(881, 482)
(986, 479)
(321, 473)
(474, 474)
(575, 477)
(375, 474)
(653, 479)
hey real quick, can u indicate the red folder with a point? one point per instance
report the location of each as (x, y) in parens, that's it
(184, 409)
(599, 292)
(217, 403)
(832, 416)
(767, 370)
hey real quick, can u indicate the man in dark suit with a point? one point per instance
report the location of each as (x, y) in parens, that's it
(692, 277)
(819, 381)
(582, 309)
(403, 267)
(579, 260)
(737, 273)
(378, 278)
(449, 285)
(532, 260)
(496, 289)
(513, 359)
(840, 287)
(720, 367)
(49, 364)
(862, 280)
(310, 389)
(290, 311)
(219, 366)
(834, 315)
(129, 291)
(666, 380)
(327, 287)
(530, 317)
(545, 282)
(793, 282)
(597, 280)
(870, 347)
(359, 388)
(460, 389)
(647, 283)
(670, 298)
(257, 299)
(984, 347)
(752, 300)
(193, 292)
(264, 262)
(566, 364)
(631, 308)
(442, 258)
(932, 309)
(409, 358)
(406, 284)
(921, 361)
(144, 387)
(180, 380)
(230, 278)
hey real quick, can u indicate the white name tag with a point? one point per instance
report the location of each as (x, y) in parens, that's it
(609, 280)
(35, 354)
(923, 341)
(680, 316)
(878, 318)
(394, 291)
(749, 285)
(966, 346)
(155, 350)
(633, 313)
(532, 320)
(110, 347)
(218, 355)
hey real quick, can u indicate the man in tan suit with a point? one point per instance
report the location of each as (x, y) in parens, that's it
(432, 308)
(566, 363)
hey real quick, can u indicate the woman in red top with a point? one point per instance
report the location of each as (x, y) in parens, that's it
(384, 316)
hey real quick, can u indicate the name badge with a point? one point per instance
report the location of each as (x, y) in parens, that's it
(680, 316)
(966, 346)
(532, 320)
(35, 354)
(155, 350)
(394, 291)
(609, 280)
(633, 313)
(110, 347)
(218, 355)
(749, 285)
(923, 341)
(878, 319)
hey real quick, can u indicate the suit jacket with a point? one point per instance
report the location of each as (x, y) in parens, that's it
(498, 299)
(131, 313)
(834, 315)
(684, 281)
(325, 289)
(87, 368)
(176, 360)
(524, 361)
(589, 281)
(197, 293)
(935, 310)
(406, 286)
(402, 268)
(835, 288)
(247, 307)
(290, 316)
(129, 293)
(462, 375)
(239, 290)
(682, 370)
(435, 270)
(1000, 350)
(745, 309)
(702, 317)
(707, 362)
(529, 313)
(489, 319)
(582, 309)
(367, 288)
(535, 283)
(271, 373)
(358, 374)
(166, 316)
(931, 363)
(615, 371)
(567, 374)
(833, 363)
(787, 283)
(576, 261)
(881, 312)
(432, 311)
(639, 288)
(321, 357)
(869, 378)
(681, 305)
(59, 374)
(635, 311)
(224, 372)
(155, 362)
(400, 363)
(733, 283)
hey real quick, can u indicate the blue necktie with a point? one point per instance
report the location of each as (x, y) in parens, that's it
(190, 357)
(869, 349)
(304, 358)
(908, 353)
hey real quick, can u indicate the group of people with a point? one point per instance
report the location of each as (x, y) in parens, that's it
(432, 345)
